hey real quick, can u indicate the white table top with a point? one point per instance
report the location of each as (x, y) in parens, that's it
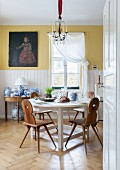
(58, 105)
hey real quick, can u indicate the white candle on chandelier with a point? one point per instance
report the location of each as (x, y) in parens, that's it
(63, 29)
(52, 28)
(66, 28)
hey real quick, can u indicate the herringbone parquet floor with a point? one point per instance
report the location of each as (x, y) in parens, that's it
(26, 158)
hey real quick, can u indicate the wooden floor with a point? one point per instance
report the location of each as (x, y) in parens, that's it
(26, 158)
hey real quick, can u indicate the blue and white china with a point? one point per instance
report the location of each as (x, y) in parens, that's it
(72, 96)
(12, 94)
(26, 92)
(34, 90)
(21, 90)
(14, 114)
(7, 91)
(16, 93)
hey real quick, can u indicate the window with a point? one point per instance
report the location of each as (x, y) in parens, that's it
(64, 74)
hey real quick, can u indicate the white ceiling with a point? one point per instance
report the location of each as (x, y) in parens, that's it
(44, 12)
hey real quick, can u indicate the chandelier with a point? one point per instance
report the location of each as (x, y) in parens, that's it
(59, 28)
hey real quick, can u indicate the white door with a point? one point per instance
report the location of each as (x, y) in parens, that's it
(118, 84)
(109, 75)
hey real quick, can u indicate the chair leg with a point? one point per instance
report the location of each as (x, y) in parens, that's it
(71, 134)
(96, 127)
(68, 115)
(35, 133)
(83, 114)
(87, 133)
(97, 135)
(43, 116)
(25, 136)
(50, 135)
(84, 138)
(39, 116)
(38, 133)
(51, 118)
(75, 117)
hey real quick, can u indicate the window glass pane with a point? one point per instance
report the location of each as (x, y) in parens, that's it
(73, 80)
(73, 67)
(63, 73)
(57, 80)
(58, 67)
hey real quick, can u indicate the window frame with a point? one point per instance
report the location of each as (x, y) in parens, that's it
(65, 71)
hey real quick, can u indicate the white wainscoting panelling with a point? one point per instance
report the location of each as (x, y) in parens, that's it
(35, 78)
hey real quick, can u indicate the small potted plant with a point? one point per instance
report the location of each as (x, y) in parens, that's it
(48, 92)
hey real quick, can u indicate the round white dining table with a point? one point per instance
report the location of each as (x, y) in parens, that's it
(59, 107)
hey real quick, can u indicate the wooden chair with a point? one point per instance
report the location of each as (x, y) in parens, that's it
(34, 94)
(90, 120)
(30, 121)
(41, 114)
(90, 95)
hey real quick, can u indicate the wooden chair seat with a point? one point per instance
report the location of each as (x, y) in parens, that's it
(90, 120)
(78, 121)
(38, 123)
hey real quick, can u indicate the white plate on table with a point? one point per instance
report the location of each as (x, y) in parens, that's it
(39, 102)
(84, 102)
(49, 99)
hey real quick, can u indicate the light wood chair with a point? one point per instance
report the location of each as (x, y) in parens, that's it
(90, 120)
(30, 121)
(41, 114)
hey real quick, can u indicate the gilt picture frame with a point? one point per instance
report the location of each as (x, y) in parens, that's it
(23, 49)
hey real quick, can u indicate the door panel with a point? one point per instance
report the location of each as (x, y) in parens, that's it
(109, 106)
(106, 35)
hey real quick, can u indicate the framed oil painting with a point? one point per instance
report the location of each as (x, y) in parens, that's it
(23, 49)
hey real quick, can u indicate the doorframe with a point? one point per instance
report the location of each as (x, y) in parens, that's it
(118, 83)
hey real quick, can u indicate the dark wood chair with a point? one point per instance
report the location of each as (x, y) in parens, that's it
(90, 120)
(34, 94)
(90, 95)
(30, 121)
(41, 114)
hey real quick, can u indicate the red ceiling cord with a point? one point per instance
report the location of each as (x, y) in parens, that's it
(60, 8)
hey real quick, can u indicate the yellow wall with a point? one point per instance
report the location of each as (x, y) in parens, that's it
(93, 39)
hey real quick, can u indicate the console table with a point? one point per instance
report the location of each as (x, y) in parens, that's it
(15, 99)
